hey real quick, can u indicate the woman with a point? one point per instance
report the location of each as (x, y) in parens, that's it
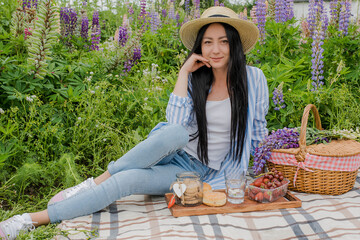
(216, 117)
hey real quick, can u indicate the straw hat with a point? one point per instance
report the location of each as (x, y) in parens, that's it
(248, 31)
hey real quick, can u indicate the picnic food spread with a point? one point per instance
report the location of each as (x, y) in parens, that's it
(188, 189)
(269, 187)
(214, 199)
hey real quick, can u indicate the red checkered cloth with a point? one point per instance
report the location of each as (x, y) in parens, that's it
(349, 163)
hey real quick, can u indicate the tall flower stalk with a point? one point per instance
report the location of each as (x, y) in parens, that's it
(43, 37)
(84, 28)
(95, 32)
(171, 14)
(122, 36)
(278, 97)
(68, 22)
(261, 18)
(197, 9)
(317, 56)
(344, 16)
(154, 21)
(280, 11)
(17, 22)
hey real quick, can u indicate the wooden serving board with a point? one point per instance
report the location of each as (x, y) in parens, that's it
(288, 201)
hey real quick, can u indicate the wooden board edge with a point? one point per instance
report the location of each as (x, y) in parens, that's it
(293, 202)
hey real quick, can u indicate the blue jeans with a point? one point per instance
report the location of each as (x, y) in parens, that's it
(149, 168)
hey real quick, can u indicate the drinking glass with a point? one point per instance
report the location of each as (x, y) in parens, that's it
(235, 186)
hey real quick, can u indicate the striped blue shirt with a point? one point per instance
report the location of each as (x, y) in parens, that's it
(179, 111)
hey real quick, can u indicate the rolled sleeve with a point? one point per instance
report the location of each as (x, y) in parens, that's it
(178, 110)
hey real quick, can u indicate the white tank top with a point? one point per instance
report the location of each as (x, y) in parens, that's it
(218, 114)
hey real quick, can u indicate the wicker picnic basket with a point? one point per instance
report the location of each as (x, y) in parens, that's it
(320, 168)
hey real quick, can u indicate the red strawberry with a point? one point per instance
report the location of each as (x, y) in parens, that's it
(268, 195)
(255, 190)
(251, 194)
(258, 181)
(259, 197)
(266, 180)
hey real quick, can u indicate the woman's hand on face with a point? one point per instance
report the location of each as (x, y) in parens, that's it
(195, 62)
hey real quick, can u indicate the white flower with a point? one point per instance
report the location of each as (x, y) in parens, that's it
(116, 76)
(92, 91)
(79, 118)
(29, 99)
(145, 99)
(33, 96)
(97, 87)
(97, 125)
(91, 73)
(104, 139)
(2, 111)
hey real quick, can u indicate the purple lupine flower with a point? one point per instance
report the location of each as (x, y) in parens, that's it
(187, 7)
(311, 19)
(128, 64)
(289, 9)
(68, 21)
(222, 5)
(123, 36)
(30, 3)
(131, 10)
(317, 13)
(95, 20)
(261, 18)
(154, 21)
(164, 13)
(216, 3)
(137, 55)
(177, 17)
(84, 28)
(73, 22)
(283, 10)
(197, 9)
(280, 139)
(95, 32)
(317, 56)
(84, 3)
(334, 11)
(171, 14)
(278, 6)
(278, 97)
(344, 16)
(95, 37)
(142, 9)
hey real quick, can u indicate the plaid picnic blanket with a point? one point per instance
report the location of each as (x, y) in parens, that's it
(147, 217)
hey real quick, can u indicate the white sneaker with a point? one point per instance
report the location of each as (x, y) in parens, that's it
(11, 228)
(87, 184)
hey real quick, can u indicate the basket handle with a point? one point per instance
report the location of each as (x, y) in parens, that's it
(300, 157)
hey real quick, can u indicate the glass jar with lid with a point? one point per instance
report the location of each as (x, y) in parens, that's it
(193, 194)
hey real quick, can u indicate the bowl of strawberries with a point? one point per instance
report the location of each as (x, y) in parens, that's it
(269, 187)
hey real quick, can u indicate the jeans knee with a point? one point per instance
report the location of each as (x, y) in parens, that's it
(178, 133)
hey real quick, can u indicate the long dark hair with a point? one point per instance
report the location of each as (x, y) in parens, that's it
(201, 81)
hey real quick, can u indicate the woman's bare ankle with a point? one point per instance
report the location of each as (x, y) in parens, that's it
(40, 218)
(102, 177)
